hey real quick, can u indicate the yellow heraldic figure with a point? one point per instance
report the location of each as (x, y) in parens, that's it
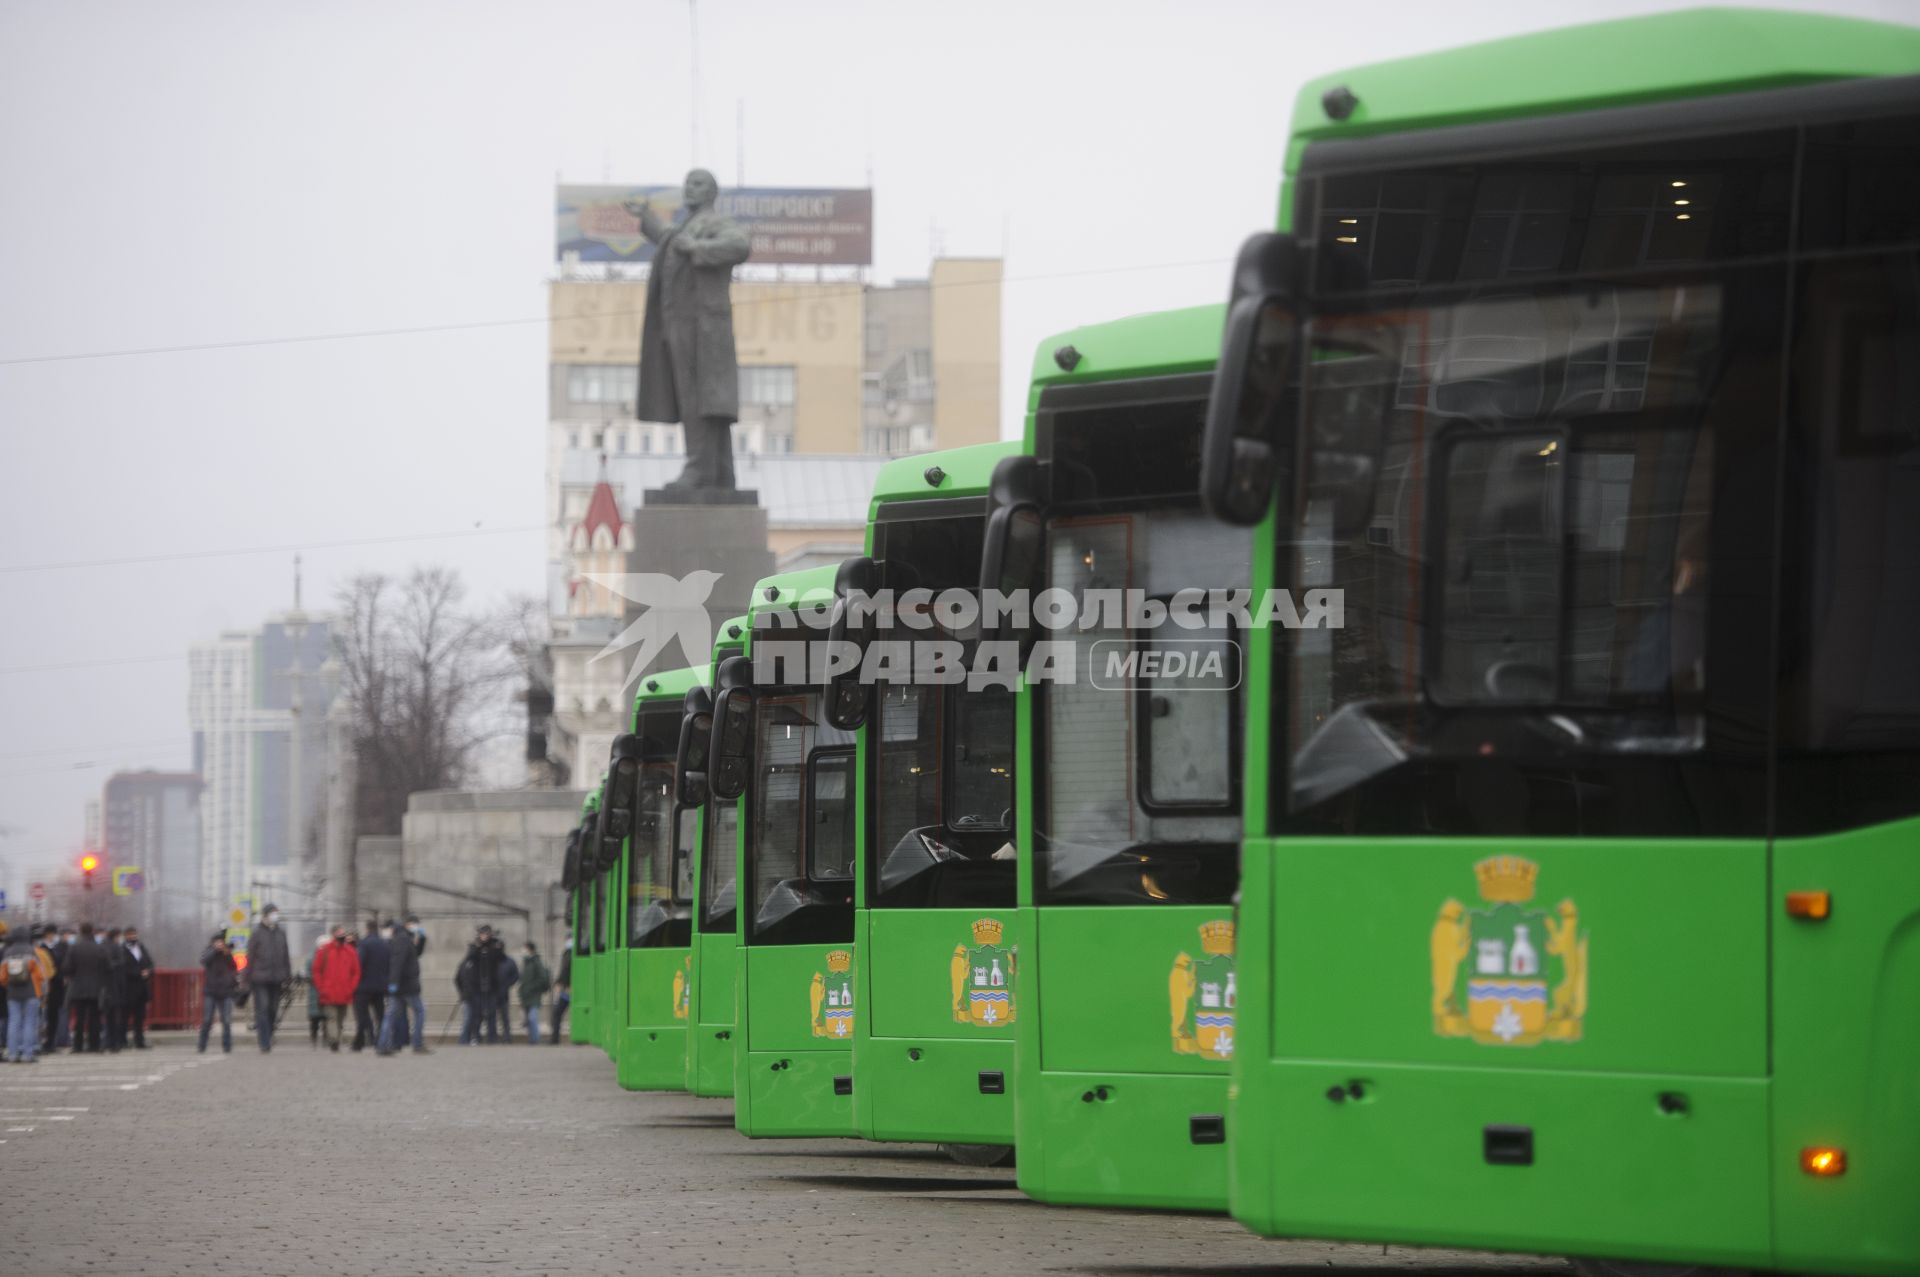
(683, 989)
(1512, 953)
(1451, 941)
(1202, 994)
(983, 977)
(1565, 942)
(957, 974)
(831, 994)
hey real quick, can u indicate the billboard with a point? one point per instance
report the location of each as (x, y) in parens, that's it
(790, 226)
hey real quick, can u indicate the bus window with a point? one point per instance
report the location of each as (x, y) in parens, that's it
(790, 904)
(719, 864)
(1119, 817)
(655, 914)
(830, 817)
(983, 760)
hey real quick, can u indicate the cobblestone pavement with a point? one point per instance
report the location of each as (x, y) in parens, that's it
(526, 1160)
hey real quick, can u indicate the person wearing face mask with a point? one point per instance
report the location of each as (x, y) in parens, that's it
(534, 983)
(418, 934)
(138, 990)
(87, 970)
(336, 976)
(477, 983)
(113, 996)
(403, 997)
(269, 967)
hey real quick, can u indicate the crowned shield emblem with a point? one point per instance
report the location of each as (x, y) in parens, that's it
(981, 975)
(831, 997)
(1509, 973)
(1201, 995)
(683, 989)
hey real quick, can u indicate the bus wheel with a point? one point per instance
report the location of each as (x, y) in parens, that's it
(1642, 1268)
(980, 1154)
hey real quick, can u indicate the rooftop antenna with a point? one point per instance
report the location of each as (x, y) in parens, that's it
(693, 51)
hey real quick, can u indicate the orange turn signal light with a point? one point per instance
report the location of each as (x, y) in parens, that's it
(1823, 1161)
(1815, 905)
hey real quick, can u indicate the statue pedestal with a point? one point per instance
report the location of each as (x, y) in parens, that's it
(701, 496)
(719, 530)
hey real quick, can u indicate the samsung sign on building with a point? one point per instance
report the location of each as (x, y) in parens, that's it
(789, 225)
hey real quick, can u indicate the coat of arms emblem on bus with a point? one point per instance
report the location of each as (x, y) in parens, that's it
(982, 977)
(831, 997)
(1509, 974)
(1201, 995)
(683, 989)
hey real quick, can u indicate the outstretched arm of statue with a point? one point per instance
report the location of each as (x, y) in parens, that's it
(719, 243)
(650, 224)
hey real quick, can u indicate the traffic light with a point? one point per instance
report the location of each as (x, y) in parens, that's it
(88, 863)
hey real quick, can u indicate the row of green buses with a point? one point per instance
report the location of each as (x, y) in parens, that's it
(1521, 850)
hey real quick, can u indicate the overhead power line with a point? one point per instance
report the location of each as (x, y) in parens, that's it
(814, 291)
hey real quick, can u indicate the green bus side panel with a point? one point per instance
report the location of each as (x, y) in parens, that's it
(653, 1044)
(580, 1013)
(1612, 1175)
(710, 1037)
(1384, 940)
(921, 976)
(787, 1077)
(921, 1074)
(1846, 1052)
(1111, 987)
(1109, 1078)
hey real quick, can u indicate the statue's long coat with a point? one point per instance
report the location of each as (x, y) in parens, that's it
(688, 369)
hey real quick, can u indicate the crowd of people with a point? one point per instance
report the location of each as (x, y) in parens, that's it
(87, 990)
(374, 974)
(78, 990)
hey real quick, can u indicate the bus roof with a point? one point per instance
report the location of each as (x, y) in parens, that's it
(808, 585)
(667, 685)
(1161, 342)
(731, 636)
(1627, 61)
(963, 473)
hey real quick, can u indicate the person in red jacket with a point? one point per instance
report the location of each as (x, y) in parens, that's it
(336, 974)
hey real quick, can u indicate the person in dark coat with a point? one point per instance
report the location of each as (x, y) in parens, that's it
(507, 974)
(403, 997)
(370, 999)
(87, 968)
(54, 1012)
(137, 991)
(477, 981)
(269, 967)
(562, 991)
(217, 992)
(689, 369)
(113, 998)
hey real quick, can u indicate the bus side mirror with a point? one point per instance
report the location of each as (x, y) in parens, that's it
(623, 795)
(848, 700)
(1241, 451)
(690, 757)
(732, 749)
(570, 864)
(1015, 535)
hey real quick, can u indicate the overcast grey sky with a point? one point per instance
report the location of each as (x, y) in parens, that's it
(183, 173)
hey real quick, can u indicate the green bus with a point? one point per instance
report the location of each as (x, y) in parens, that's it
(1129, 793)
(586, 906)
(709, 1018)
(574, 880)
(654, 933)
(793, 775)
(935, 876)
(1580, 911)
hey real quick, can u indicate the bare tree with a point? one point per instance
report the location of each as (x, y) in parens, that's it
(427, 681)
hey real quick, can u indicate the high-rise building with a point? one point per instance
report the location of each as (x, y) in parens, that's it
(257, 701)
(150, 821)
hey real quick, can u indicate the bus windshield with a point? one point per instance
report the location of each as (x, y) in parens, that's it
(719, 863)
(941, 754)
(800, 837)
(1536, 456)
(1137, 760)
(656, 913)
